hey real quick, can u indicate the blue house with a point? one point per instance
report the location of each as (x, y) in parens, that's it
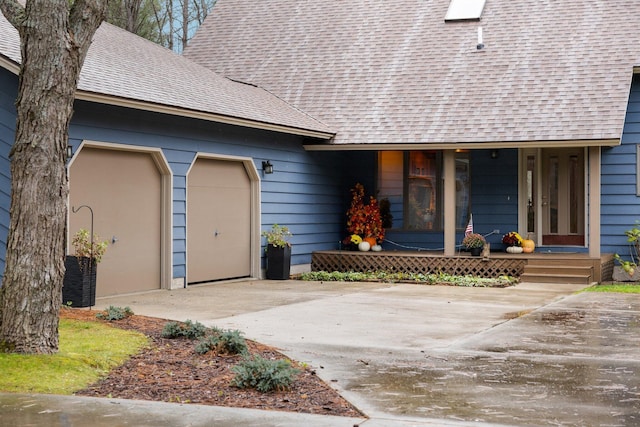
(169, 157)
(524, 114)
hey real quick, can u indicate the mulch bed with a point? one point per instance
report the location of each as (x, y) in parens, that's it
(169, 370)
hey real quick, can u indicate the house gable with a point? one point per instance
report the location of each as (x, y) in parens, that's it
(397, 73)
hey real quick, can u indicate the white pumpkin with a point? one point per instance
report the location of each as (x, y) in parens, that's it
(376, 248)
(364, 246)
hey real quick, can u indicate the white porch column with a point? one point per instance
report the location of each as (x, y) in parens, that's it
(594, 202)
(449, 212)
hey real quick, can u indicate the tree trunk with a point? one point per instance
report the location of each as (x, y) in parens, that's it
(185, 24)
(54, 42)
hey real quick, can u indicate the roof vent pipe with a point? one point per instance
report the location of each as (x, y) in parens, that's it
(480, 44)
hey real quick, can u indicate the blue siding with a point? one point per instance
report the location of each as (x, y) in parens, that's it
(620, 203)
(8, 94)
(494, 203)
(494, 193)
(303, 192)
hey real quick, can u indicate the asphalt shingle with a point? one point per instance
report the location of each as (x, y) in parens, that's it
(394, 72)
(125, 67)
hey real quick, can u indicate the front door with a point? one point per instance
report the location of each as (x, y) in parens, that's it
(562, 196)
(553, 196)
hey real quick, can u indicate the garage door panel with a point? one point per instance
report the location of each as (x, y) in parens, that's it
(124, 190)
(218, 221)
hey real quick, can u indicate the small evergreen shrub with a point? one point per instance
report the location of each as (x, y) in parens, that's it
(224, 342)
(194, 330)
(264, 375)
(171, 330)
(114, 313)
(205, 345)
(188, 329)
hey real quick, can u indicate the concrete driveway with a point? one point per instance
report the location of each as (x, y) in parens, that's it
(413, 355)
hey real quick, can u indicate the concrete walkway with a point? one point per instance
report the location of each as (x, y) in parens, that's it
(406, 355)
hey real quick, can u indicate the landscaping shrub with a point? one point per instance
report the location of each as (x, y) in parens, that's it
(264, 375)
(188, 329)
(223, 342)
(114, 313)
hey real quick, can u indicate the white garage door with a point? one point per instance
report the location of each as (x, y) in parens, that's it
(218, 221)
(123, 189)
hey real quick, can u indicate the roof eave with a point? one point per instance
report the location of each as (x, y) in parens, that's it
(610, 142)
(201, 115)
(14, 68)
(9, 65)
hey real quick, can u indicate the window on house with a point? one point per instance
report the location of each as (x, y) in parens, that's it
(412, 182)
(460, 10)
(423, 192)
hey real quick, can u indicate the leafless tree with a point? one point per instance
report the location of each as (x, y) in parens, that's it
(138, 17)
(171, 23)
(54, 38)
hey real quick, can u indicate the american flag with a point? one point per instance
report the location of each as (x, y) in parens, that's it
(469, 228)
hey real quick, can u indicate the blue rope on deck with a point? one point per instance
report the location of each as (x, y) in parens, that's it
(419, 249)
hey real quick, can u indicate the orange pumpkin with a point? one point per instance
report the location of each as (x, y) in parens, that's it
(528, 246)
(371, 240)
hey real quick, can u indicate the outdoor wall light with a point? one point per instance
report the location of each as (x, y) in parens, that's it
(267, 167)
(69, 151)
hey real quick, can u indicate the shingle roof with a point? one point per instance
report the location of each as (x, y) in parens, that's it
(123, 67)
(394, 72)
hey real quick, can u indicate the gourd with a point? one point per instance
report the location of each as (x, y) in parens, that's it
(364, 246)
(370, 240)
(528, 246)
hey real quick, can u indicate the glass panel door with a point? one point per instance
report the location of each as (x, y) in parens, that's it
(562, 196)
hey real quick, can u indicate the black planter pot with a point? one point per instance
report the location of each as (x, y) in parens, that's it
(79, 285)
(475, 251)
(278, 262)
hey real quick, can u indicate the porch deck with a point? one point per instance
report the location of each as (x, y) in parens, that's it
(533, 267)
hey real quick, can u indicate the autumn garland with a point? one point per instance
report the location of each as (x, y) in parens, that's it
(364, 220)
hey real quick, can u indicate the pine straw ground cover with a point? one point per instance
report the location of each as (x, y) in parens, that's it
(170, 370)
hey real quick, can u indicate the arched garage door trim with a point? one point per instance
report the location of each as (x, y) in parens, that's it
(166, 247)
(254, 179)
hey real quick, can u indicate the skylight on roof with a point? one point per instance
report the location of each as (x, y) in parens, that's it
(464, 9)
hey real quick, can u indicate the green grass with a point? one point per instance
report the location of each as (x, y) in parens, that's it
(614, 287)
(87, 351)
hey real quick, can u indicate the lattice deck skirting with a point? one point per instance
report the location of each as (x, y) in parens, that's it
(416, 262)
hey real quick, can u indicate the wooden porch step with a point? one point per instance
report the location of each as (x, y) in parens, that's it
(560, 261)
(556, 273)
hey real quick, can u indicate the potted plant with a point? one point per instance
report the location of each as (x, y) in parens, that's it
(278, 250)
(512, 242)
(474, 242)
(628, 269)
(79, 285)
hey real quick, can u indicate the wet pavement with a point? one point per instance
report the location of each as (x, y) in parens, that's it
(406, 355)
